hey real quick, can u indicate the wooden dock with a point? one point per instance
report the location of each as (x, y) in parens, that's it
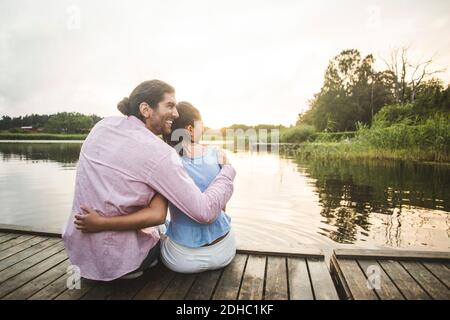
(33, 265)
(391, 274)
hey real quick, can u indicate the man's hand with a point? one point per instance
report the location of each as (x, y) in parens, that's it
(89, 221)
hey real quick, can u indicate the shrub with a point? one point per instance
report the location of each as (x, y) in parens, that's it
(395, 114)
(298, 134)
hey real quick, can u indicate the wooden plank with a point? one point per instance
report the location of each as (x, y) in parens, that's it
(404, 282)
(51, 291)
(3, 234)
(38, 283)
(127, 289)
(339, 279)
(15, 241)
(204, 285)
(230, 282)
(286, 252)
(156, 284)
(356, 280)
(387, 289)
(6, 263)
(117, 289)
(440, 271)
(276, 279)
(74, 294)
(37, 231)
(120, 288)
(435, 288)
(30, 262)
(252, 287)
(20, 247)
(321, 280)
(8, 237)
(380, 254)
(26, 276)
(178, 287)
(100, 291)
(299, 280)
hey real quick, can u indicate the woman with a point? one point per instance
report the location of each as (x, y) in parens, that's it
(189, 246)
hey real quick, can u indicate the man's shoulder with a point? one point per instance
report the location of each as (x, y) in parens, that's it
(159, 147)
(111, 120)
(107, 122)
(136, 137)
(149, 143)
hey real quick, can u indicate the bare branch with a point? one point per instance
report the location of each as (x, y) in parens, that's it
(407, 74)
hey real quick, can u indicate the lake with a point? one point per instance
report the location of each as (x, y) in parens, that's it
(279, 201)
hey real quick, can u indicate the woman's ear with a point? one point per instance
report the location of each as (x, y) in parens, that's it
(190, 129)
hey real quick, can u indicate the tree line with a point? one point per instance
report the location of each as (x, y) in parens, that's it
(62, 122)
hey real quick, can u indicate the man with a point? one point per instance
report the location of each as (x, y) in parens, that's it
(122, 165)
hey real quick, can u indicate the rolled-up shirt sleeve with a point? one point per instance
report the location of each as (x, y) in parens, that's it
(170, 179)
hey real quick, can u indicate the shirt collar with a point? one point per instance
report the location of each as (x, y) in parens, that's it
(136, 120)
(139, 122)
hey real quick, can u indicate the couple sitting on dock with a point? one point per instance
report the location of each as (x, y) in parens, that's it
(127, 177)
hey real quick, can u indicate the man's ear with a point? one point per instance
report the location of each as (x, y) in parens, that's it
(145, 110)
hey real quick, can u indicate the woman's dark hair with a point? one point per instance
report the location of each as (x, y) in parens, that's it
(151, 92)
(188, 114)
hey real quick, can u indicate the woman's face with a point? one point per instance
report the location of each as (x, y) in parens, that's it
(196, 131)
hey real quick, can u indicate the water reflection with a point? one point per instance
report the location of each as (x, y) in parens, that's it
(279, 200)
(359, 197)
(36, 183)
(64, 153)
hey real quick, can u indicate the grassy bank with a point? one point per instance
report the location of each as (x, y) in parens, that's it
(357, 150)
(40, 136)
(424, 141)
(427, 140)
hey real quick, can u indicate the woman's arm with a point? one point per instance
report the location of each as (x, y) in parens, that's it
(153, 215)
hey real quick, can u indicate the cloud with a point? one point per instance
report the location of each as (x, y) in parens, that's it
(237, 61)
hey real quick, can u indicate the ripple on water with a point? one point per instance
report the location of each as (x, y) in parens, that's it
(277, 201)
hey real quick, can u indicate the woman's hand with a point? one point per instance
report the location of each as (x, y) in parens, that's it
(222, 157)
(89, 221)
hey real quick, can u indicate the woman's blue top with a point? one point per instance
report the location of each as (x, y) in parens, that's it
(182, 229)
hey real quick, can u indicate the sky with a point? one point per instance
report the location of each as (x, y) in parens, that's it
(237, 61)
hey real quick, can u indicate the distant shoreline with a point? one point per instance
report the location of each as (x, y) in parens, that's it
(307, 150)
(41, 136)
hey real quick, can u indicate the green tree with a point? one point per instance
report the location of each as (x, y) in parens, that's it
(69, 122)
(431, 97)
(352, 92)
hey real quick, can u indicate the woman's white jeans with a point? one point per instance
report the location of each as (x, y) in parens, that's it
(192, 260)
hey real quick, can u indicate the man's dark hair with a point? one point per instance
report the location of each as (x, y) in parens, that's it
(151, 92)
